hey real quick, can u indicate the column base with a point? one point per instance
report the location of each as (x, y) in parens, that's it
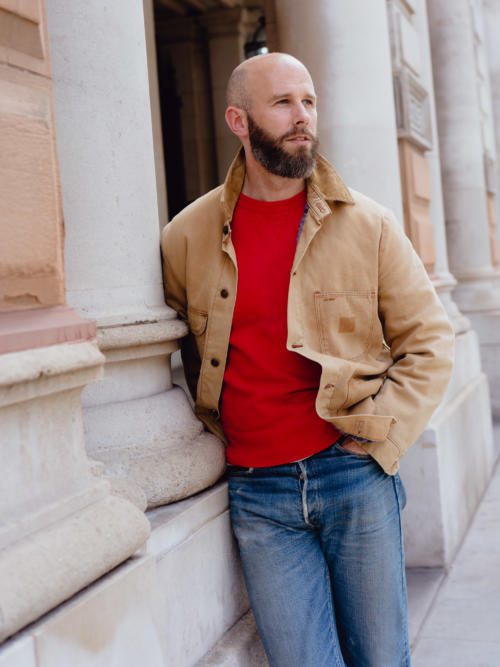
(444, 284)
(477, 290)
(487, 326)
(141, 427)
(478, 296)
(163, 447)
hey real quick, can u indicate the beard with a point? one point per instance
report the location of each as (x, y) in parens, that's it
(272, 155)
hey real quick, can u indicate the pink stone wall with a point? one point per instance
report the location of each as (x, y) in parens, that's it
(416, 191)
(31, 222)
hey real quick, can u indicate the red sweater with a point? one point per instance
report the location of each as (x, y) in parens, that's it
(268, 396)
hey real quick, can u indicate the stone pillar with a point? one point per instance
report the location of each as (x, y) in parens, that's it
(60, 528)
(227, 31)
(491, 14)
(141, 428)
(464, 138)
(348, 55)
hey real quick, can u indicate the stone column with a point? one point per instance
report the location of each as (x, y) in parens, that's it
(443, 280)
(60, 528)
(463, 141)
(227, 31)
(348, 55)
(109, 143)
(491, 13)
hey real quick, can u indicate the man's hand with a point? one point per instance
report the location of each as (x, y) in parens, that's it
(352, 446)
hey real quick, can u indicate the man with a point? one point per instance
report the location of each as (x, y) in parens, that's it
(318, 351)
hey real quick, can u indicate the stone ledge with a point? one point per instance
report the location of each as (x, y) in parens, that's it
(41, 571)
(173, 524)
(140, 333)
(30, 373)
(41, 327)
(29, 365)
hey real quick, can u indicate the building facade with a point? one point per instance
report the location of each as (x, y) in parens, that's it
(115, 541)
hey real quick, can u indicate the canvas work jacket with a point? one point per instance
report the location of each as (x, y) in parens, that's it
(360, 304)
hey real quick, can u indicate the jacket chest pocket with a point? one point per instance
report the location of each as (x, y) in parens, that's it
(345, 322)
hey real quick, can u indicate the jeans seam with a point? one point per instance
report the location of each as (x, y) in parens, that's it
(402, 565)
(333, 625)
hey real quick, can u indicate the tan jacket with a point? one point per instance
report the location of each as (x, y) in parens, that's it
(359, 303)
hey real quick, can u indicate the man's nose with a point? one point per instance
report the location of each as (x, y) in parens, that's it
(301, 115)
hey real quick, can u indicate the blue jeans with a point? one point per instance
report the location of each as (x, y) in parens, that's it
(322, 553)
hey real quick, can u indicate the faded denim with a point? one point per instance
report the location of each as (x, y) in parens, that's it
(322, 552)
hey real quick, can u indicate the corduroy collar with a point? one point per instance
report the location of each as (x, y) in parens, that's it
(324, 181)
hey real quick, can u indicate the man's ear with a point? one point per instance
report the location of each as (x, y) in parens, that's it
(236, 119)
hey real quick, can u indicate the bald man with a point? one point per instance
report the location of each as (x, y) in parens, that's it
(317, 352)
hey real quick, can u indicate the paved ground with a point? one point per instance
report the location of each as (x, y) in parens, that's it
(455, 619)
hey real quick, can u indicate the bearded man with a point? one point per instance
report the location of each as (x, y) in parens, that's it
(317, 351)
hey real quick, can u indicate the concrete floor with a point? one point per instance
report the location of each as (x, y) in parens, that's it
(455, 618)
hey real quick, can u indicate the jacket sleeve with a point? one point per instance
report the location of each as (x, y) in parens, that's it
(173, 247)
(419, 334)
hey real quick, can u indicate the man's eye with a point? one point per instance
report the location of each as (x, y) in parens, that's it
(309, 102)
(284, 101)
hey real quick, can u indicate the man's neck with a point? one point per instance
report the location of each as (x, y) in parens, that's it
(261, 184)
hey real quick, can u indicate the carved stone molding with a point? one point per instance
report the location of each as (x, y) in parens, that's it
(60, 528)
(412, 109)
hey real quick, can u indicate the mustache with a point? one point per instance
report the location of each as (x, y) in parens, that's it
(298, 133)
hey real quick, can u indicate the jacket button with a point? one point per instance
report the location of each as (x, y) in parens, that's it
(225, 229)
(214, 362)
(224, 293)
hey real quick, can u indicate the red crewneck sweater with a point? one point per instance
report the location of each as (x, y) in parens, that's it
(268, 396)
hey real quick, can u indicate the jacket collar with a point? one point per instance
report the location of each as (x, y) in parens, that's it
(324, 185)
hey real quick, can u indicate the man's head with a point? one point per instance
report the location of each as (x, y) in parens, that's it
(272, 109)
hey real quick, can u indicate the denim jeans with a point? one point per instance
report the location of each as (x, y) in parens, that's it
(322, 553)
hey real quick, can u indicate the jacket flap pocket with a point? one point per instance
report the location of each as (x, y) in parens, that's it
(197, 321)
(369, 427)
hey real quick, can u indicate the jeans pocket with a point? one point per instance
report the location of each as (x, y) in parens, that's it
(348, 453)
